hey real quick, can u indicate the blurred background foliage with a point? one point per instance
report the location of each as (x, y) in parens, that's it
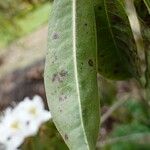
(47, 138)
(16, 15)
(128, 125)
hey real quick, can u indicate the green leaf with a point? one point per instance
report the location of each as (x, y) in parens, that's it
(117, 54)
(71, 73)
(147, 3)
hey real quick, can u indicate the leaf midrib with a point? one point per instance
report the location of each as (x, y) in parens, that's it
(110, 29)
(76, 70)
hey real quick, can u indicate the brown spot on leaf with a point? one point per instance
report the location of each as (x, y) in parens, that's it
(62, 97)
(55, 36)
(59, 76)
(85, 24)
(90, 62)
(66, 137)
(63, 73)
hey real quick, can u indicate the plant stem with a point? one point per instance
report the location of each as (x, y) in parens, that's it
(113, 108)
(143, 137)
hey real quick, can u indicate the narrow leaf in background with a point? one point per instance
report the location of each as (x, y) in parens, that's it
(147, 3)
(117, 54)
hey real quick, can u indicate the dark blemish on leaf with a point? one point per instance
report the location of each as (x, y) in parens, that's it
(81, 65)
(55, 36)
(60, 109)
(60, 76)
(55, 57)
(54, 78)
(85, 24)
(62, 97)
(90, 62)
(66, 137)
(63, 73)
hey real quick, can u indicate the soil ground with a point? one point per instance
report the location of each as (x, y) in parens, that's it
(24, 51)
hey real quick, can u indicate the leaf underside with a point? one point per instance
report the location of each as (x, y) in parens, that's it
(117, 54)
(71, 73)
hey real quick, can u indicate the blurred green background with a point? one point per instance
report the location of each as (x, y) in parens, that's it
(22, 16)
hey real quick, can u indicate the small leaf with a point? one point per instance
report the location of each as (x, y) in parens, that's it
(117, 54)
(71, 73)
(147, 3)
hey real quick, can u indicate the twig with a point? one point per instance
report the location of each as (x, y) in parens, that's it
(144, 137)
(113, 108)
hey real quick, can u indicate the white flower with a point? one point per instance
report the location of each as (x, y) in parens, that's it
(22, 121)
(11, 130)
(33, 113)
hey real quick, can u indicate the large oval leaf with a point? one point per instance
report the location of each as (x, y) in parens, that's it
(117, 55)
(71, 73)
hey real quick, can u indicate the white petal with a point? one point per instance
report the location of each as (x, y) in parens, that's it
(14, 142)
